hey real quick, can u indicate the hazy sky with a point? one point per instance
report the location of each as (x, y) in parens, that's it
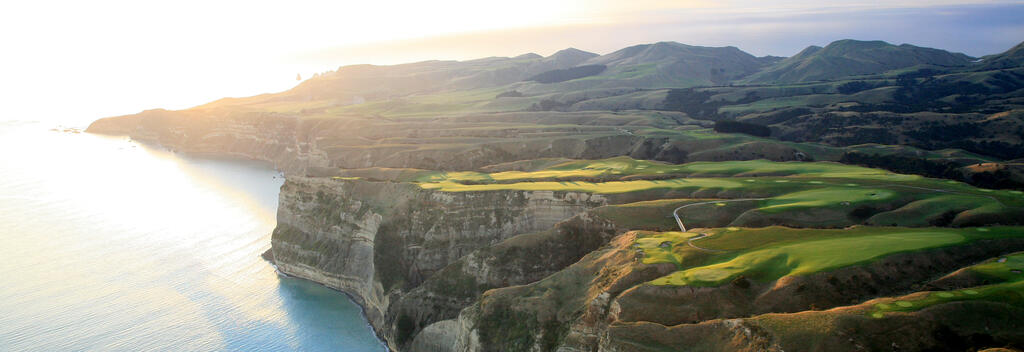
(77, 61)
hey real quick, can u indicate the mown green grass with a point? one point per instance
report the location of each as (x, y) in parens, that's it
(812, 194)
(590, 187)
(793, 186)
(659, 247)
(625, 166)
(931, 208)
(828, 197)
(807, 257)
(1007, 272)
(1008, 268)
(772, 253)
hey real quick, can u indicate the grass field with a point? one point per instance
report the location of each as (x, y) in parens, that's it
(1008, 287)
(589, 187)
(820, 194)
(768, 254)
(625, 166)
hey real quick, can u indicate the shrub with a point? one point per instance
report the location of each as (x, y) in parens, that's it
(752, 129)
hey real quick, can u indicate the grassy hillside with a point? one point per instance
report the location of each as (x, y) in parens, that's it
(797, 238)
(779, 252)
(846, 58)
(660, 282)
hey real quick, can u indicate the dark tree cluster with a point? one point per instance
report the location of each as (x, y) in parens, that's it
(922, 91)
(696, 103)
(999, 179)
(781, 116)
(752, 129)
(864, 135)
(855, 87)
(904, 164)
(944, 132)
(960, 135)
(999, 149)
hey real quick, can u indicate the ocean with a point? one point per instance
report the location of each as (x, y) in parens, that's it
(108, 244)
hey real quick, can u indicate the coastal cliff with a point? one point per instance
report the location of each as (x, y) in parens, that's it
(302, 145)
(519, 215)
(575, 255)
(379, 241)
(501, 270)
(269, 137)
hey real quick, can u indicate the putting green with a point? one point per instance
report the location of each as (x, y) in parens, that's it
(658, 247)
(825, 197)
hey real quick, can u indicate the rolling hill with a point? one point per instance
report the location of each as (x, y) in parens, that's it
(539, 203)
(846, 58)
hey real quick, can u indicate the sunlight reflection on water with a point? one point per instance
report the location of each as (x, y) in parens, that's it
(113, 245)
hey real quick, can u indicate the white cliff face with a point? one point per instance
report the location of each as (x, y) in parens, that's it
(378, 241)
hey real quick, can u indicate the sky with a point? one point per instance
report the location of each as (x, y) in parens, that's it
(71, 62)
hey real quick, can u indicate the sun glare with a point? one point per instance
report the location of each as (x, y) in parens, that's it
(72, 61)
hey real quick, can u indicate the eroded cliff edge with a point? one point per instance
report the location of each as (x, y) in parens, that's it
(378, 241)
(545, 269)
(502, 270)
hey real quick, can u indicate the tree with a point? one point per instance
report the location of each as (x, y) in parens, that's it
(752, 129)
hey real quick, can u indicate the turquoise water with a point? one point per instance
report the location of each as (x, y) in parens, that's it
(111, 245)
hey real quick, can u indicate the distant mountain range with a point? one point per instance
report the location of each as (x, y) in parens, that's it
(647, 66)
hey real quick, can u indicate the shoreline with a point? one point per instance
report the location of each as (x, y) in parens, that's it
(268, 255)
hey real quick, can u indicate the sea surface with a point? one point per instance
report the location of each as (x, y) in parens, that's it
(107, 244)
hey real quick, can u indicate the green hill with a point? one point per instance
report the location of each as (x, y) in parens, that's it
(1009, 59)
(848, 57)
(359, 83)
(578, 202)
(671, 64)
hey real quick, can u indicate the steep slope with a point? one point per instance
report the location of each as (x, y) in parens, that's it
(417, 247)
(1008, 59)
(848, 57)
(440, 195)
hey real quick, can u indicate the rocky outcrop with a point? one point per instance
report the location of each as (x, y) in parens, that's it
(601, 303)
(378, 241)
(520, 260)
